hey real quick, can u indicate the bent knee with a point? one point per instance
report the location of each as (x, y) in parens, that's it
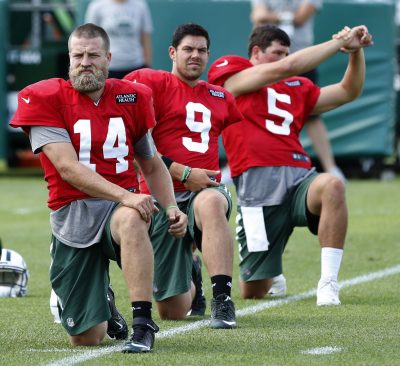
(325, 188)
(90, 337)
(253, 295)
(175, 307)
(170, 313)
(335, 188)
(211, 200)
(126, 220)
(85, 341)
(253, 290)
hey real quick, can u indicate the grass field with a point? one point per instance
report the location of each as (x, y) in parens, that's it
(364, 330)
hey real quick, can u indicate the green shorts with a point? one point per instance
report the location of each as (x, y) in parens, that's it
(279, 222)
(173, 257)
(80, 279)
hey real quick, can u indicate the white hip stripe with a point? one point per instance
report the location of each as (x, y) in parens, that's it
(254, 227)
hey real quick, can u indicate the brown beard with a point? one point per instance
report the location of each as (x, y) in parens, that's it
(88, 83)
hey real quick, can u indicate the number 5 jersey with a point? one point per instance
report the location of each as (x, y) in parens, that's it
(273, 118)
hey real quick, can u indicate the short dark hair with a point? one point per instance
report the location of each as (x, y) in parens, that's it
(90, 30)
(189, 29)
(263, 35)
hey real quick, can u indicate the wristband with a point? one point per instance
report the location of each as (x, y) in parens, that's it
(186, 173)
(171, 206)
(167, 161)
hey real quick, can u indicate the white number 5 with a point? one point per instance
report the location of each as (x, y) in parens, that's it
(283, 129)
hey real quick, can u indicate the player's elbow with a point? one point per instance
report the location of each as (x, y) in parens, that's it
(353, 93)
(66, 172)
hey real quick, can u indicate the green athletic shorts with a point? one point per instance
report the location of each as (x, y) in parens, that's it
(279, 222)
(172, 256)
(80, 279)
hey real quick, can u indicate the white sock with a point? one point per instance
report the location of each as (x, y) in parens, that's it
(330, 262)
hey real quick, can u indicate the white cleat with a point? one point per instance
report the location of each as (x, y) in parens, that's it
(328, 292)
(278, 287)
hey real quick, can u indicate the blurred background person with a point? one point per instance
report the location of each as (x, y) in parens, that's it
(296, 18)
(129, 25)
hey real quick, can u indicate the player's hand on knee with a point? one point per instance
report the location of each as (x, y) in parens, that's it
(143, 203)
(177, 222)
(201, 178)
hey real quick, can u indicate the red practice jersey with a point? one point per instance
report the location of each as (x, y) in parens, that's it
(273, 119)
(103, 135)
(189, 119)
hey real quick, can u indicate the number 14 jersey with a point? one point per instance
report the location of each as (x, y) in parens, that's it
(103, 134)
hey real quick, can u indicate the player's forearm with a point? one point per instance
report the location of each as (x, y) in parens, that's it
(64, 159)
(255, 78)
(354, 77)
(92, 183)
(159, 182)
(176, 170)
(309, 58)
(348, 89)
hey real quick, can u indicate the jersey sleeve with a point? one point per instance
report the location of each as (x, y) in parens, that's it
(39, 105)
(313, 93)
(224, 67)
(146, 112)
(145, 76)
(156, 80)
(235, 115)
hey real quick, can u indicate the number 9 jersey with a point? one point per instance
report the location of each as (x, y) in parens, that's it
(189, 119)
(103, 134)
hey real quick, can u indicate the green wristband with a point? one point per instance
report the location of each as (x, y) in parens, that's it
(185, 174)
(171, 206)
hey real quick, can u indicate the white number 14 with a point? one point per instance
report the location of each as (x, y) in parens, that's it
(114, 147)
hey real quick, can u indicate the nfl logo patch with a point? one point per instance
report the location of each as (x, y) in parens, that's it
(70, 322)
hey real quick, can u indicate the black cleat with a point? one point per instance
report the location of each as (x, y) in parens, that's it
(117, 327)
(199, 302)
(142, 338)
(223, 313)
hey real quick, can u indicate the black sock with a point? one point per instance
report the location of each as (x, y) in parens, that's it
(221, 284)
(141, 308)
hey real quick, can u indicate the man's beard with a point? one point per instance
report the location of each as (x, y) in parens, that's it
(88, 82)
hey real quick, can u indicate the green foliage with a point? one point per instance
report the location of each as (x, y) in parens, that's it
(364, 330)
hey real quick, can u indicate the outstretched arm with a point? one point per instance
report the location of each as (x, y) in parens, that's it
(348, 89)
(298, 63)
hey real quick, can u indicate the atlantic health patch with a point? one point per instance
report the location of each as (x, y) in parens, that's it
(293, 83)
(217, 93)
(126, 98)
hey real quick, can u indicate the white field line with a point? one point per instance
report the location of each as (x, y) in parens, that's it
(91, 354)
(322, 350)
